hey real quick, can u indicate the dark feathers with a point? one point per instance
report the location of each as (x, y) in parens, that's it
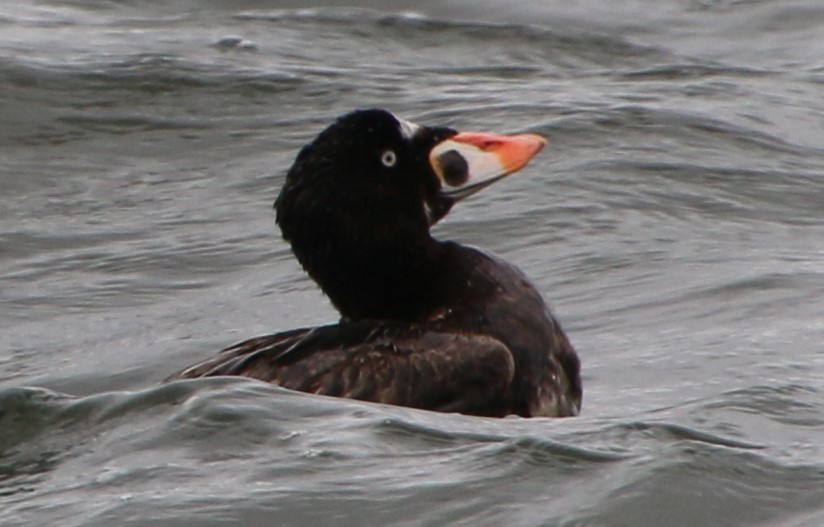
(425, 323)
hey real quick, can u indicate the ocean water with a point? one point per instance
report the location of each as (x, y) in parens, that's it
(675, 223)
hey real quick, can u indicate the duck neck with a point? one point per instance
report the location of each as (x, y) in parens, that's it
(391, 275)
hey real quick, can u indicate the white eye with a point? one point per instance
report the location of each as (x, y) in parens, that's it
(389, 158)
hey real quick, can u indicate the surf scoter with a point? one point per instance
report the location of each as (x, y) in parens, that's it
(424, 323)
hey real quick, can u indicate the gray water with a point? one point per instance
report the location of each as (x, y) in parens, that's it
(675, 223)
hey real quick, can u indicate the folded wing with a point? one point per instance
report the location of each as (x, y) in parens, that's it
(380, 362)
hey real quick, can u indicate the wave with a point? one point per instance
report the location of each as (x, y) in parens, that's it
(275, 447)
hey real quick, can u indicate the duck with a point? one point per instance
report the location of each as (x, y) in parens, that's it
(424, 323)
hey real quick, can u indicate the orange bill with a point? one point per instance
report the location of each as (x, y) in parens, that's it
(469, 161)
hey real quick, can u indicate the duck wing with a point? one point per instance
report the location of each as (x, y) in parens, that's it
(400, 364)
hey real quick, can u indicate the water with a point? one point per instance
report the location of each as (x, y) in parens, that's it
(675, 222)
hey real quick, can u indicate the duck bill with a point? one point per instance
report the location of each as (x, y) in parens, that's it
(468, 162)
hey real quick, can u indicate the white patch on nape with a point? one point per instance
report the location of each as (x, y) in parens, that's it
(408, 129)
